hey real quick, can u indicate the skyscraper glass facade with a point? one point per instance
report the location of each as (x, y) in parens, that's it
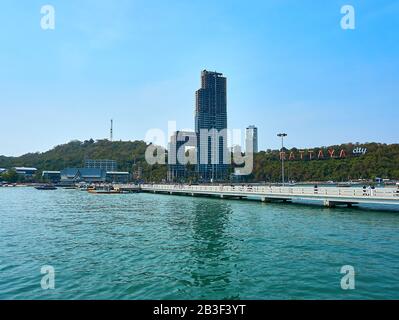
(211, 127)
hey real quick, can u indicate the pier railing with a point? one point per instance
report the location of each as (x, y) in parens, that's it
(335, 193)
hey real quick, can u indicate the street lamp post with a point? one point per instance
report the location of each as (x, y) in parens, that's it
(282, 136)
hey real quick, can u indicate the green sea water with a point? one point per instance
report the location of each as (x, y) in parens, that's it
(145, 246)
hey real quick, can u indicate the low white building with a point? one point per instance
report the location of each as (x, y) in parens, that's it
(53, 176)
(118, 177)
(26, 172)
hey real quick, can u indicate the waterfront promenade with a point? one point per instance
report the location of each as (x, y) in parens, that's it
(328, 196)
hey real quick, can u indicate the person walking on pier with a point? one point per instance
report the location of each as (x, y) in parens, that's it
(372, 191)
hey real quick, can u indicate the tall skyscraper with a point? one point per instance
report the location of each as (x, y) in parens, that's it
(252, 137)
(211, 117)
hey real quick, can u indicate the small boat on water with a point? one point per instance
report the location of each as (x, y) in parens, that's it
(344, 184)
(89, 188)
(46, 187)
(104, 191)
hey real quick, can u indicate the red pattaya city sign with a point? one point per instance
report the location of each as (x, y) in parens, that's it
(313, 154)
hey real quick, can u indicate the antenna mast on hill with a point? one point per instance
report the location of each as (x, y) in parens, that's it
(112, 131)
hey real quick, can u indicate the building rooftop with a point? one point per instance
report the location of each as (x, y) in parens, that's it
(212, 72)
(116, 172)
(83, 172)
(95, 160)
(25, 169)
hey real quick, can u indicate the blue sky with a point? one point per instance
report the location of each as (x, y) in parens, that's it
(290, 67)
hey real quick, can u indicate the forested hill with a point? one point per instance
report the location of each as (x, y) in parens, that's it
(126, 153)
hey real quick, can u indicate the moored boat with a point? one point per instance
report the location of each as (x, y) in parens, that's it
(344, 185)
(46, 187)
(93, 191)
(104, 190)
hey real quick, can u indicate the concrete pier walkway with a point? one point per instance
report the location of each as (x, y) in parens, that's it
(329, 196)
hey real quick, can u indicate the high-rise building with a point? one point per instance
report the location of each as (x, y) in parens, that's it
(211, 117)
(252, 138)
